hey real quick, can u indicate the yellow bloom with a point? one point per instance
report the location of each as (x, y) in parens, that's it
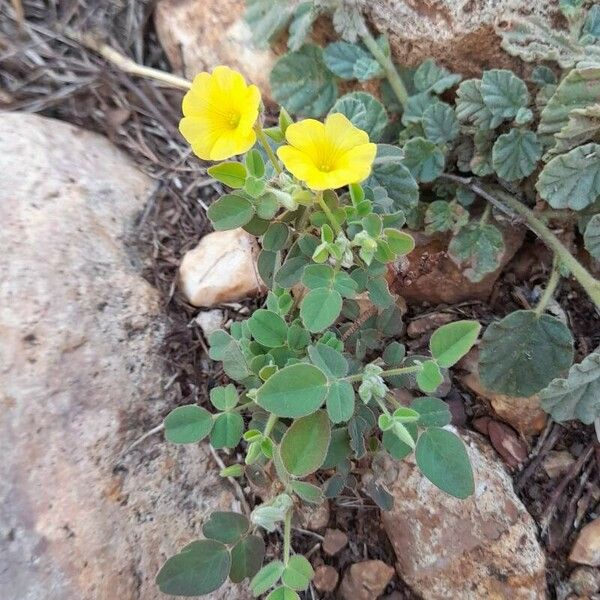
(219, 113)
(327, 155)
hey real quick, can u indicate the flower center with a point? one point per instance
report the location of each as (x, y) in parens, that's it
(325, 168)
(233, 119)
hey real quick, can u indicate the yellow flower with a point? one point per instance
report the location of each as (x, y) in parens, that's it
(327, 155)
(219, 113)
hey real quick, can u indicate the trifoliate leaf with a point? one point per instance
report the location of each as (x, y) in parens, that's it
(579, 89)
(340, 58)
(444, 216)
(416, 106)
(389, 173)
(479, 248)
(302, 84)
(572, 180)
(299, 28)
(504, 94)
(424, 159)
(364, 111)
(577, 396)
(520, 354)
(440, 123)
(470, 106)
(266, 18)
(515, 154)
(431, 77)
(591, 237)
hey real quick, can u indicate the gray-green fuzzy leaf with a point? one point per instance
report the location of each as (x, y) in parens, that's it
(364, 111)
(340, 58)
(424, 159)
(430, 77)
(470, 106)
(515, 154)
(440, 123)
(504, 94)
(591, 237)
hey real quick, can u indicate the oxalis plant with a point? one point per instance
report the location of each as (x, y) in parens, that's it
(469, 158)
(311, 372)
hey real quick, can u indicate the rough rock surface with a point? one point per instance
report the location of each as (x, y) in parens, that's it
(482, 547)
(366, 580)
(80, 380)
(428, 274)
(198, 36)
(457, 33)
(586, 549)
(221, 268)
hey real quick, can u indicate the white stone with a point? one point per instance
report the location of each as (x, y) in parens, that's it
(221, 268)
(210, 320)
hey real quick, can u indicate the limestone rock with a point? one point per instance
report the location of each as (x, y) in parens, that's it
(366, 580)
(198, 36)
(429, 275)
(221, 268)
(586, 550)
(585, 581)
(334, 541)
(81, 378)
(481, 547)
(210, 320)
(325, 579)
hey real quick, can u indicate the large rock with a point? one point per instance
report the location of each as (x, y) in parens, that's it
(80, 379)
(479, 548)
(197, 36)
(428, 274)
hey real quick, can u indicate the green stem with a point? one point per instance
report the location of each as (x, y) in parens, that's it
(550, 287)
(387, 65)
(287, 537)
(486, 214)
(388, 373)
(271, 422)
(262, 138)
(321, 202)
(583, 276)
(383, 406)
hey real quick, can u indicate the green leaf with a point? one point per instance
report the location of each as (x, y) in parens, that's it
(298, 337)
(431, 77)
(363, 111)
(572, 180)
(592, 22)
(298, 573)
(504, 94)
(400, 242)
(268, 328)
(304, 445)
(232, 174)
(200, 568)
(396, 447)
(291, 271)
(320, 308)
(379, 292)
(591, 237)
(283, 593)
(424, 159)
(318, 276)
(345, 285)
(520, 354)
(433, 412)
(440, 123)
(515, 154)
(430, 377)
(443, 216)
(339, 448)
(228, 350)
(415, 108)
(307, 491)
(226, 527)
(583, 126)
(266, 19)
(266, 578)
(266, 265)
(255, 163)
(246, 558)
(293, 391)
(443, 459)
(227, 430)
(224, 397)
(187, 424)
(389, 173)
(451, 342)
(577, 396)
(479, 248)
(329, 360)
(302, 84)
(367, 68)
(340, 401)
(276, 237)
(340, 58)
(470, 106)
(542, 75)
(301, 24)
(578, 89)
(230, 211)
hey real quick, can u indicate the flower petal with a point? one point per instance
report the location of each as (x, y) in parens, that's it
(342, 134)
(358, 160)
(308, 136)
(200, 135)
(232, 142)
(298, 163)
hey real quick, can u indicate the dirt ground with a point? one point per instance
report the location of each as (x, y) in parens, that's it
(42, 70)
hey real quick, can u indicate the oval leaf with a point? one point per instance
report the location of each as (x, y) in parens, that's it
(268, 328)
(232, 174)
(246, 558)
(230, 211)
(320, 308)
(227, 430)
(226, 527)
(451, 342)
(187, 424)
